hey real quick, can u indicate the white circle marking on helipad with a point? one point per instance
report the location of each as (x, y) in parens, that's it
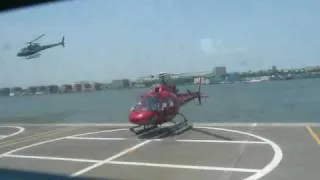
(277, 158)
(20, 130)
(278, 155)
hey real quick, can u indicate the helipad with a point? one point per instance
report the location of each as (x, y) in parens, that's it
(206, 152)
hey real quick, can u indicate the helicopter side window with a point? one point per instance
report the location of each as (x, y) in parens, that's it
(164, 105)
(167, 103)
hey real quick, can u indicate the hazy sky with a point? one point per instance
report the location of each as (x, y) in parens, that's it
(110, 39)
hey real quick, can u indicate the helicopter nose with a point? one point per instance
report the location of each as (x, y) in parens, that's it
(141, 118)
(20, 54)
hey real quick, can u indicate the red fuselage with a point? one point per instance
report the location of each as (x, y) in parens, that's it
(158, 105)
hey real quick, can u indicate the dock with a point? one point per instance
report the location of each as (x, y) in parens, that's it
(235, 151)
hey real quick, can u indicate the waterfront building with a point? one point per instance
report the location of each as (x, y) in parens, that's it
(53, 89)
(4, 91)
(204, 80)
(65, 88)
(120, 83)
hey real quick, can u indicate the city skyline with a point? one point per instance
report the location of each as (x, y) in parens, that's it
(105, 37)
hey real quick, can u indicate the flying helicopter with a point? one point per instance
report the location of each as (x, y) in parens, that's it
(33, 49)
(161, 104)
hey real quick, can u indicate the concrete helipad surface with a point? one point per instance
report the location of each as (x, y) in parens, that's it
(209, 151)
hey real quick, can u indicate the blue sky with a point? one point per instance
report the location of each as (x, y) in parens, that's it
(110, 39)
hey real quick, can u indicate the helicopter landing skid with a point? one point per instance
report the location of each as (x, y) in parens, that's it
(180, 127)
(33, 56)
(177, 128)
(142, 128)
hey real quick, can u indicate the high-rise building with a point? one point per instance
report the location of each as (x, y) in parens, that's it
(53, 89)
(274, 69)
(219, 71)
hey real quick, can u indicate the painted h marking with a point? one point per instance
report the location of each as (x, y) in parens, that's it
(178, 140)
(89, 168)
(98, 163)
(221, 141)
(52, 158)
(97, 132)
(210, 168)
(94, 138)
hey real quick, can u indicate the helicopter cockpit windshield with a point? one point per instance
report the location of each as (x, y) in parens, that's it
(149, 103)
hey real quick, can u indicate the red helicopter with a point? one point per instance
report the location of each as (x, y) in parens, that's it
(161, 104)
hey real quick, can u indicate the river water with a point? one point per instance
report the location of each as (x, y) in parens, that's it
(281, 101)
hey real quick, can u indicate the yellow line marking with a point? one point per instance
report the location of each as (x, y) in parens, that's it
(313, 134)
(38, 136)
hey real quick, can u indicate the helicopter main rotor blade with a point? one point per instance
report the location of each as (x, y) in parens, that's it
(36, 38)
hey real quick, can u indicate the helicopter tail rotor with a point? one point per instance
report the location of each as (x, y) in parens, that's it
(199, 90)
(62, 41)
